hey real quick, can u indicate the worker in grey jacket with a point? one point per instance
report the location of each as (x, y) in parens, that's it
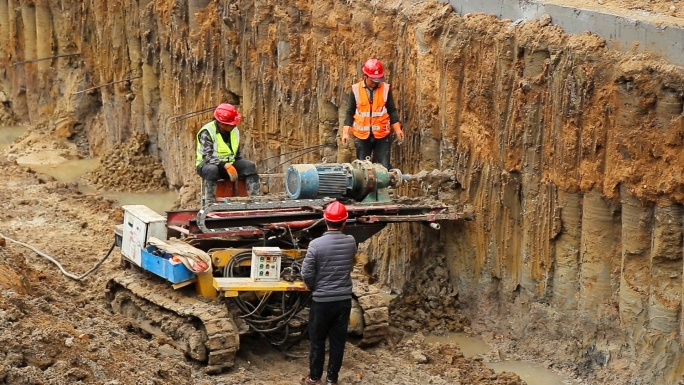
(326, 270)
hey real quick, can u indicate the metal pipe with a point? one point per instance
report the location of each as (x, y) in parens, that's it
(293, 158)
(104, 85)
(44, 58)
(292, 224)
(432, 225)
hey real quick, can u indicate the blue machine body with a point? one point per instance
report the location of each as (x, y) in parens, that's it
(314, 181)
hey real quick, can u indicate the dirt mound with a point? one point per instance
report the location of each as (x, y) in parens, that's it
(128, 168)
(188, 196)
(448, 363)
(429, 301)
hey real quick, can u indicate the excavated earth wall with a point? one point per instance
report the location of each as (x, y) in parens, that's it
(570, 153)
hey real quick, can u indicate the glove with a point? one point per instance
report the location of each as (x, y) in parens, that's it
(232, 172)
(399, 133)
(345, 135)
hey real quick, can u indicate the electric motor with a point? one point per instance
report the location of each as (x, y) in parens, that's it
(313, 181)
(361, 180)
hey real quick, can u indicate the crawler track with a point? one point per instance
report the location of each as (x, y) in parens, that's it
(203, 331)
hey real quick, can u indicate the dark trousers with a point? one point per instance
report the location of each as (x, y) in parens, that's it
(212, 172)
(328, 319)
(380, 148)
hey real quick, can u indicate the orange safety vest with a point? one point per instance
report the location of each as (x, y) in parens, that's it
(371, 118)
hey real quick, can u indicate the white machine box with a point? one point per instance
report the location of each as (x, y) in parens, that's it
(266, 263)
(140, 223)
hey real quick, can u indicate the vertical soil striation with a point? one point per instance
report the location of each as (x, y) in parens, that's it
(571, 154)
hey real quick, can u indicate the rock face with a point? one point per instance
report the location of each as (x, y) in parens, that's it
(571, 154)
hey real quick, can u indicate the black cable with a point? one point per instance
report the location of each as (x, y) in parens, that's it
(276, 329)
(59, 265)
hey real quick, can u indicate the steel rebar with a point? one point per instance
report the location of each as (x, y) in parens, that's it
(301, 149)
(188, 115)
(288, 160)
(104, 85)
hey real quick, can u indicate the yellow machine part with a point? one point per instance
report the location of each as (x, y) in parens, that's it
(231, 287)
(208, 286)
(221, 257)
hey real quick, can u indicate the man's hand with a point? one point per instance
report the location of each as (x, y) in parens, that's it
(232, 172)
(345, 135)
(399, 133)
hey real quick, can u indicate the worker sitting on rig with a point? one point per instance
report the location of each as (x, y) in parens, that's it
(370, 113)
(218, 154)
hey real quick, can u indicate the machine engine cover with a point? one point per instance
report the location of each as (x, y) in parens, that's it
(313, 181)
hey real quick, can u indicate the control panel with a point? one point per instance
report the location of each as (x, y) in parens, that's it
(266, 263)
(140, 224)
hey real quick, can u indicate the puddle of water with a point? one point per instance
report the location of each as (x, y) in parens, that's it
(470, 345)
(68, 171)
(9, 134)
(533, 374)
(71, 170)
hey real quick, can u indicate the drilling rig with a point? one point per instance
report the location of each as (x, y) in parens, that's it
(249, 252)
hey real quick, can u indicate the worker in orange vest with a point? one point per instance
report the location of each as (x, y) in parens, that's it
(370, 114)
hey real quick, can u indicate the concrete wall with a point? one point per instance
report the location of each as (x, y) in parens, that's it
(621, 32)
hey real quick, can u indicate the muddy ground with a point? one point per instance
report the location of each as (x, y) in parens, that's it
(54, 330)
(570, 153)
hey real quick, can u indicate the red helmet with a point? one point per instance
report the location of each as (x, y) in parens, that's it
(335, 212)
(227, 114)
(373, 69)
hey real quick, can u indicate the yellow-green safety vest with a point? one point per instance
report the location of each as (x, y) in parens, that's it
(222, 150)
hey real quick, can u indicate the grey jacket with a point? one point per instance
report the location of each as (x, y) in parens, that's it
(327, 267)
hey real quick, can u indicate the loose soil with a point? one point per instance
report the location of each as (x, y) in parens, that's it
(128, 167)
(569, 153)
(54, 330)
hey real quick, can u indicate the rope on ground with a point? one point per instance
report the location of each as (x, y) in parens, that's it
(49, 258)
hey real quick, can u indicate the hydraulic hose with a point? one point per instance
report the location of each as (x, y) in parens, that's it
(271, 316)
(59, 265)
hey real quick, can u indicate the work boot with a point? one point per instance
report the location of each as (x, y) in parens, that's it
(308, 381)
(210, 192)
(253, 185)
